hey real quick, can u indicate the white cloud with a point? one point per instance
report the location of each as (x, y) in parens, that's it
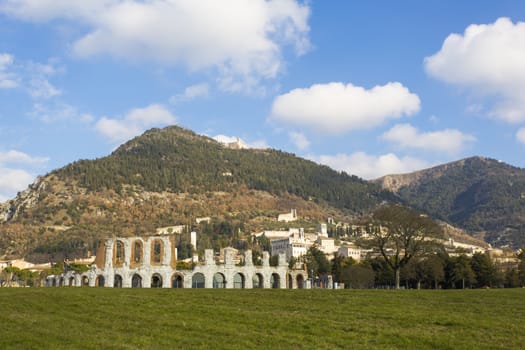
(259, 144)
(336, 107)
(13, 181)
(520, 135)
(242, 40)
(449, 141)
(135, 122)
(58, 112)
(371, 166)
(8, 79)
(489, 59)
(299, 140)
(18, 157)
(190, 93)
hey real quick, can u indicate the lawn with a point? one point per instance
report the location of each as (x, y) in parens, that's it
(106, 318)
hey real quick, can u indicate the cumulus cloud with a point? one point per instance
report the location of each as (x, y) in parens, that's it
(488, 59)
(371, 166)
(17, 157)
(13, 181)
(135, 122)
(259, 144)
(449, 141)
(520, 135)
(336, 107)
(242, 40)
(190, 93)
(299, 140)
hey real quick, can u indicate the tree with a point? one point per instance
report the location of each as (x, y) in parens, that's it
(358, 276)
(316, 262)
(458, 273)
(400, 234)
(484, 269)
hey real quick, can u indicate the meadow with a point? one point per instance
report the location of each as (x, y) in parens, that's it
(106, 318)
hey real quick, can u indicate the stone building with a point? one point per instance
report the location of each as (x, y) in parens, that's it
(144, 262)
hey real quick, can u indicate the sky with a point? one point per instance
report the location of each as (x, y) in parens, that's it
(370, 87)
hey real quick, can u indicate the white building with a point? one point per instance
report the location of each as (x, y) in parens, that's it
(350, 252)
(294, 244)
(288, 217)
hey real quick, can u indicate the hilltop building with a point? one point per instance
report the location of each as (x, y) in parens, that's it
(288, 217)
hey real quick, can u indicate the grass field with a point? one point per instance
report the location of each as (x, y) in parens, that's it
(89, 318)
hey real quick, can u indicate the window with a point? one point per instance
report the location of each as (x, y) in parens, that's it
(137, 252)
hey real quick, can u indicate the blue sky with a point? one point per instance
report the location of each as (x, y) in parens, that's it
(368, 87)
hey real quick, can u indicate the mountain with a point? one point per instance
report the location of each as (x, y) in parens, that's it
(172, 176)
(483, 196)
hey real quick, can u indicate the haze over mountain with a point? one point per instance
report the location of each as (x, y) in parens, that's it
(483, 196)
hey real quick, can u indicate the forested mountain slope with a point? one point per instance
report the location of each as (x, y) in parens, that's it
(168, 177)
(481, 195)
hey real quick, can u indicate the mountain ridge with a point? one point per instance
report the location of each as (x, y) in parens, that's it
(481, 195)
(172, 176)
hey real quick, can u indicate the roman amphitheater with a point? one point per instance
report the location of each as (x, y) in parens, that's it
(151, 262)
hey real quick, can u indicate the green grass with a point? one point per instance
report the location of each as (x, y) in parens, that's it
(90, 318)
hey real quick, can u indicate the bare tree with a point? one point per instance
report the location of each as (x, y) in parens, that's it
(400, 234)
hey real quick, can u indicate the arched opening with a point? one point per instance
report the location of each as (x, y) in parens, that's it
(136, 281)
(289, 281)
(54, 282)
(117, 281)
(137, 252)
(156, 281)
(177, 281)
(238, 280)
(71, 281)
(118, 254)
(197, 280)
(300, 281)
(156, 252)
(275, 281)
(85, 281)
(100, 281)
(257, 280)
(219, 281)
(61, 282)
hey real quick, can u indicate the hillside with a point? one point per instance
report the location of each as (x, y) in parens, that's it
(168, 177)
(483, 196)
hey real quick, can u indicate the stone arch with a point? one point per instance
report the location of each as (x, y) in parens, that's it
(85, 281)
(118, 254)
(71, 281)
(197, 280)
(238, 280)
(137, 251)
(275, 280)
(157, 251)
(136, 281)
(117, 281)
(54, 282)
(100, 281)
(156, 281)
(177, 281)
(258, 280)
(300, 281)
(289, 281)
(219, 281)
